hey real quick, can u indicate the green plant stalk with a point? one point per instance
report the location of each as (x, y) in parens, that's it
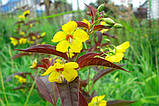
(30, 91)
(3, 88)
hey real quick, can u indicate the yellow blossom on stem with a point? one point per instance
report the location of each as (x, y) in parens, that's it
(119, 52)
(34, 64)
(27, 12)
(31, 25)
(22, 33)
(103, 30)
(14, 41)
(98, 101)
(20, 79)
(22, 40)
(43, 34)
(21, 17)
(70, 39)
(30, 42)
(123, 47)
(33, 37)
(58, 72)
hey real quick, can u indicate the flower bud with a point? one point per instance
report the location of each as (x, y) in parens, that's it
(100, 8)
(109, 21)
(117, 25)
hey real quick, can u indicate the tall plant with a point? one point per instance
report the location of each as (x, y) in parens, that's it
(79, 44)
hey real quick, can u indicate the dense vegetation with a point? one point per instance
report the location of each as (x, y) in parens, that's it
(141, 84)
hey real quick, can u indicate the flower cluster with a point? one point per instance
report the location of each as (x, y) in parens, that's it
(60, 71)
(70, 39)
(20, 79)
(118, 54)
(25, 35)
(98, 101)
(24, 15)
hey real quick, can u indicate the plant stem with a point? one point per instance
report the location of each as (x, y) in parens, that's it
(31, 89)
(3, 88)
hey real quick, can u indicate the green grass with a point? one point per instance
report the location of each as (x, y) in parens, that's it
(141, 84)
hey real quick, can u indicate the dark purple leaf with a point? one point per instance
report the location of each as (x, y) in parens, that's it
(69, 92)
(92, 12)
(86, 56)
(119, 103)
(82, 100)
(82, 24)
(98, 62)
(100, 27)
(45, 89)
(20, 55)
(46, 49)
(103, 73)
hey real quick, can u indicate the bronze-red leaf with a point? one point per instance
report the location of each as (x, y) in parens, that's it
(82, 100)
(86, 56)
(98, 62)
(119, 103)
(82, 24)
(46, 49)
(45, 89)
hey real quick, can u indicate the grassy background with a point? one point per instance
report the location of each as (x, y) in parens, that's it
(142, 84)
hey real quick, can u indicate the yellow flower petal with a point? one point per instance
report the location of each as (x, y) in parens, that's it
(123, 47)
(69, 74)
(71, 65)
(104, 30)
(59, 36)
(49, 70)
(34, 64)
(76, 46)
(69, 27)
(98, 101)
(14, 41)
(20, 79)
(103, 103)
(22, 40)
(58, 65)
(115, 58)
(81, 35)
(102, 23)
(43, 34)
(55, 77)
(62, 46)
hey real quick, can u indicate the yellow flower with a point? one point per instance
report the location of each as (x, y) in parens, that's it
(119, 52)
(14, 41)
(98, 101)
(103, 30)
(20, 79)
(87, 22)
(26, 13)
(123, 47)
(31, 25)
(22, 33)
(70, 38)
(30, 42)
(58, 72)
(22, 40)
(21, 17)
(43, 34)
(115, 58)
(34, 64)
(33, 37)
